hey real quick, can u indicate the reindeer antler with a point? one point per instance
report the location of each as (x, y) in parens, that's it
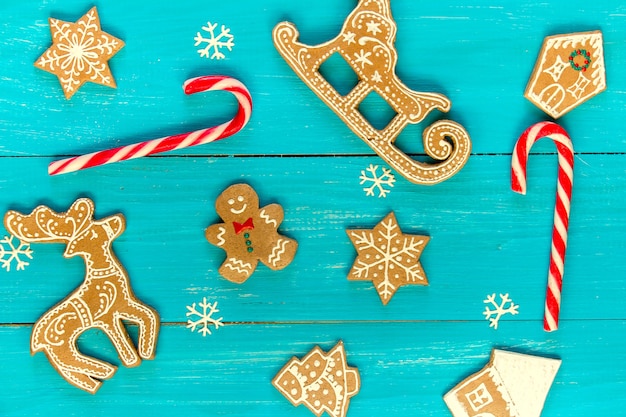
(46, 225)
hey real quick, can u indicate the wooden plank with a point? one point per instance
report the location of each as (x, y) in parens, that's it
(480, 54)
(405, 369)
(485, 238)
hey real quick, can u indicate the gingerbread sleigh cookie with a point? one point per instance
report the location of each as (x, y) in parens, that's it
(366, 43)
(102, 301)
(249, 234)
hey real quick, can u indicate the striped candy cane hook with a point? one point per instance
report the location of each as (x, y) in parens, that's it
(565, 152)
(169, 143)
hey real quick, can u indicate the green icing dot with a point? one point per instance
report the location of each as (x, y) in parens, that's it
(246, 235)
(250, 249)
(248, 243)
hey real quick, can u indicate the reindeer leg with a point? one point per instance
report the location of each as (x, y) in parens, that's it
(148, 322)
(77, 369)
(56, 333)
(85, 381)
(118, 335)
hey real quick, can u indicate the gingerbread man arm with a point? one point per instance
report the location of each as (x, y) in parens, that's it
(283, 250)
(281, 253)
(272, 214)
(215, 234)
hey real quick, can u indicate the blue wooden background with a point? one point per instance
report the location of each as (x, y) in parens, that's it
(296, 152)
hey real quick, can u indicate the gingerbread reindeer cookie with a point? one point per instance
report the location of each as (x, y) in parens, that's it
(102, 301)
(249, 234)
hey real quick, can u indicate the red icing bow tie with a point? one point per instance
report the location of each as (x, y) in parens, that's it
(247, 225)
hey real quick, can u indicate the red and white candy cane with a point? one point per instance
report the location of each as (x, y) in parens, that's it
(169, 143)
(565, 151)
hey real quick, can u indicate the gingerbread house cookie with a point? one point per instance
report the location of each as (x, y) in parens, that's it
(569, 71)
(511, 385)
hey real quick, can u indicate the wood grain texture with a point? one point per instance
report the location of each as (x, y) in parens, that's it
(405, 369)
(295, 152)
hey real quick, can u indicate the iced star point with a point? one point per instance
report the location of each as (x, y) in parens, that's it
(80, 53)
(373, 28)
(387, 257)
(349, 37)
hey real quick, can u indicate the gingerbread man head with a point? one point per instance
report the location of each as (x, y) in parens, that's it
(236, 202)
(249, 234)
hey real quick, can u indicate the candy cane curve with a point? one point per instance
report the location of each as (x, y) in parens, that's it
(168, 143)
(565, 151)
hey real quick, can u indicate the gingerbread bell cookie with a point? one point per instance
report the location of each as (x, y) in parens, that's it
(322, 381)
(366, 43)
(249, 234)
(103, 301)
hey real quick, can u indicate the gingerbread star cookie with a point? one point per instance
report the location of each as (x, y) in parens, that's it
(80, 53)
(249, 234)
(387, 257)
(322, 381)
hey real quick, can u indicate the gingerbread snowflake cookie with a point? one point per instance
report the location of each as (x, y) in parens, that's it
(249, 234)
(388, 257)
(80, 53)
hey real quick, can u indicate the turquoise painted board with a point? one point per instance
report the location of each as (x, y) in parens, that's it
(484, 238)
(405, 369)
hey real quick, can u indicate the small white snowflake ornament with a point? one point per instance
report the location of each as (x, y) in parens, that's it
(11, 252)
(215, 42)
(377, 182)
(505, 306)
(204, 318)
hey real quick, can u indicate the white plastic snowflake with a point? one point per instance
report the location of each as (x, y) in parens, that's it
(205, 317)
(214, 43)
(500, 309)
(9, 253)
(386, 179)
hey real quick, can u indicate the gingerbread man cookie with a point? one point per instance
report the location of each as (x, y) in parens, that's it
(249, 234)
